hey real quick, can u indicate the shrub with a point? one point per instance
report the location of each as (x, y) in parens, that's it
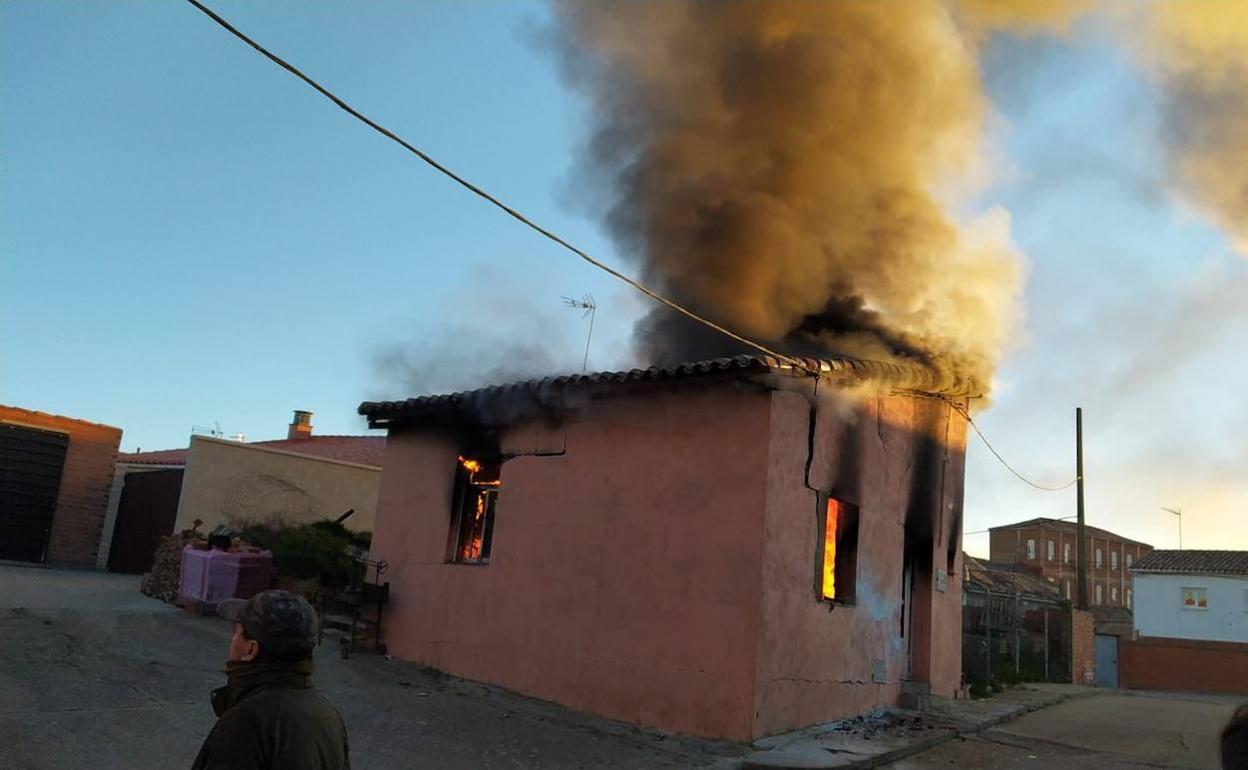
(320, 550)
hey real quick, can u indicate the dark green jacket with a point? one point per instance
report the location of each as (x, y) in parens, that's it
(271, 718)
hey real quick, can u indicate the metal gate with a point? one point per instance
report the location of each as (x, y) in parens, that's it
(30, 477)
(147, 511)
(1106, 660)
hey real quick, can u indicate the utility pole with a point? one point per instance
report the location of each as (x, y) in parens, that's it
(1081, 542)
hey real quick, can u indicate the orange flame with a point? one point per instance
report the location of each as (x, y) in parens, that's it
(474, 467)
(829, 548)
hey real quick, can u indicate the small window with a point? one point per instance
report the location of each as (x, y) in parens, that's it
(1113, 560)
(1031, 549)
(472, 515)
(1066, 588)
(1066, 554)
(1113, 595)
(1052, 546)
(1100, 594)
(1129, 598)
(1129, 561)
(1100, 560)
(838, 567)
(1195, 598)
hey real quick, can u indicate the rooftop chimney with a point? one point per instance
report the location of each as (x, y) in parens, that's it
(300, 426)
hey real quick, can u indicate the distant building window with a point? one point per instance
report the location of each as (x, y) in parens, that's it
(838, 572)
(1052, 547)
(1195, 598)
(1113, 560)
(1113, 594)
(474, 501)
(1129, 561)
(1100, 559)
(1066, 554)
(1066, 588)
(1129, 598)
(1031, 549)
(1100, 595)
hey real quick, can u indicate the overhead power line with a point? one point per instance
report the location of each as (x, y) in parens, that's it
(550, 235)
(652, 294)
(962, 410)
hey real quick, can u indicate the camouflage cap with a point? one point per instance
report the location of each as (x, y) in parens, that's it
(284, 624)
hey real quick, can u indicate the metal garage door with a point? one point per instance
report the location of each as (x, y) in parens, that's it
(30, 476)
(1106, 660)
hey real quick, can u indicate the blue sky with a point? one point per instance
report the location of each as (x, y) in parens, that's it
(189, 236)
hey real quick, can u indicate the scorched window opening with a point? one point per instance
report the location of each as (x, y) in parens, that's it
(475, 501)
(838, 553)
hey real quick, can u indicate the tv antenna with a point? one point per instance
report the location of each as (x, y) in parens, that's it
(590, 308)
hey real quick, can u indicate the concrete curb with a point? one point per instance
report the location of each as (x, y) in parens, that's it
(805, 760)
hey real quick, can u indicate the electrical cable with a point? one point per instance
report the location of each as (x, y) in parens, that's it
(961, 410)
(490, 198)
(478, 191)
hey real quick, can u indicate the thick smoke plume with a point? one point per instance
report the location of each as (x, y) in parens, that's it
(1197, 49)
(779, 166)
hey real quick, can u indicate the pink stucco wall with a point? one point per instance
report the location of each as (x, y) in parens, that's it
(891, 456)
(661, 570)
(624, 575)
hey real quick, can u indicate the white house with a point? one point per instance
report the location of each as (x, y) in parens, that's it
(1199, 595)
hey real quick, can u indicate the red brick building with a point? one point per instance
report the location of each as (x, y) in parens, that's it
(1047, 547)
(55, 476)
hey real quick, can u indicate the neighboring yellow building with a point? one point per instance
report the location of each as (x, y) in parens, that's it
(229, 482)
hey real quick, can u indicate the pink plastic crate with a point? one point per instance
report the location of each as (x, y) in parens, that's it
(250, 573)
(209, 576)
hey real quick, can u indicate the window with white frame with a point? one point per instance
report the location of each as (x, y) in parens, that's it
(1066, 588)
(1195, 598)
(1100, 594)
(1031, 549)
(1100, 560)
(1052, 548)
(1066, 554)
(1129, 561)
(1113, 594)
(1129, 598)
(1113, 560)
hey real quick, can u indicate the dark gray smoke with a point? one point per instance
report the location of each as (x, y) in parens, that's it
(774, 166)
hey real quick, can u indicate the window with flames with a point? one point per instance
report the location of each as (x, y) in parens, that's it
(474, 501)
(838, 556)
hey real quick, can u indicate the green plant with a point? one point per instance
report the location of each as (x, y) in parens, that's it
(319, 550)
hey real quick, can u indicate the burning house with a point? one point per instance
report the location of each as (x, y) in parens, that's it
(730, 548)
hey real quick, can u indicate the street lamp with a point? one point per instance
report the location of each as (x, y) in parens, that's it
(1177, 512)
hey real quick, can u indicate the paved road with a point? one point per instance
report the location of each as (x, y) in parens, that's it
(1115, 730)
(93, 674)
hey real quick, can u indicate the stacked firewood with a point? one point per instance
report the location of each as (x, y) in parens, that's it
(162, 582)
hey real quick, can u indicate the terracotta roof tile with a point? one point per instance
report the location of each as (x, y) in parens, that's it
(1202, 562)
(495, 402)
(1068, 526)
(365, 450)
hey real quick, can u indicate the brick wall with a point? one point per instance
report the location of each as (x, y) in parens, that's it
(1008, 545)
(1083, 647)
(1183, 664)
(86, 480)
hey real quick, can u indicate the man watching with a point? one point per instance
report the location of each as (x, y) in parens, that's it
(269, 715)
